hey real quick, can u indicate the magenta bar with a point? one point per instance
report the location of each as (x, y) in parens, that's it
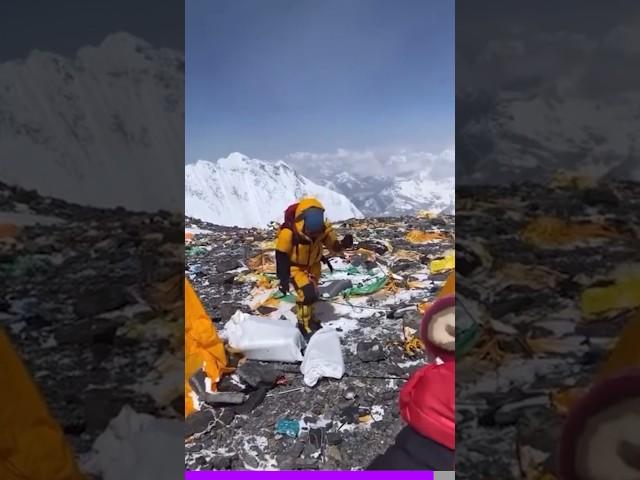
(258, 475)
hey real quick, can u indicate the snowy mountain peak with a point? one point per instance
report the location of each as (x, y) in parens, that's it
(244, 192)
(235, 160)
(78, 121)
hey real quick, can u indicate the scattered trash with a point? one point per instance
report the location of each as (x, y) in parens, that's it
(224, 398)
(136, 445)
(550, 232)
(333, 289)
(624, 293)
(443, 264)
(323, 357)
(254, 400)
(417, 236)
(194, 251)
(255, 374)
(264, 339)
(370, 352)
(290, 428)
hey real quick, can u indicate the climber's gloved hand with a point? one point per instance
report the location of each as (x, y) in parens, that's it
(347, 241)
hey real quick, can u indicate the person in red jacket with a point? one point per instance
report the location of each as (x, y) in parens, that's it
(427, 401)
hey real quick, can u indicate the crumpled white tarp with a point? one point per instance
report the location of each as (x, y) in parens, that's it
(264, 339)
(140, 446)
(323, 357)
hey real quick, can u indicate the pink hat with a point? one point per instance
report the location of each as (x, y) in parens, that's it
(439, 347)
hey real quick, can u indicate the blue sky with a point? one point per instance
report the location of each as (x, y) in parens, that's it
(272, 77)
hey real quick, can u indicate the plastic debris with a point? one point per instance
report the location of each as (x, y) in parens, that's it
(136, 445)
(418, 236)
(443, 264)
(554, 232)
(625, 293)
(290, 428)
(264, 339)
(323, 357)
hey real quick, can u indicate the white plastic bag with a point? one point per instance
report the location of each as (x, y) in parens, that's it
(323, 357)
(264, 339)
(137, 445)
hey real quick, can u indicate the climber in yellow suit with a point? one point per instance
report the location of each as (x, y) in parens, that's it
(299, 253)
(32, 443)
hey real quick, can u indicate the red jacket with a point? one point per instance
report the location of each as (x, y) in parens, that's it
(427, 402)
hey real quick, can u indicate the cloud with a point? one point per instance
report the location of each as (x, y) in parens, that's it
(373, 163)
(565, 62)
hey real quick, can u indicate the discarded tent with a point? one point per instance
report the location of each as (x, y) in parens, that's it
(418, 236)
(624, 293)
(32, 444)
(448, 262)
(203, 348)
(554, 232)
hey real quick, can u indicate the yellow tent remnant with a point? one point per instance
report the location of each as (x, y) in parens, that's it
(426, 214)
(203, 349)
(626, 353)
(555, 232)
(32, 444)
(443, 264)
(9, 230)
(419, 237)
(422, 307)
(534, 277)
(449, 287)
(625, 293)
(263, 262)
(267, 245)
(564, 179)
(407, 255)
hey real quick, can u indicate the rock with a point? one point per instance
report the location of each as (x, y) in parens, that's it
(295, 451)
(224, 398)
(227, 416)
(250, 461)
(221, 463)
(198, 422)
(100, 407)
(349, 394)
(309, 450)
(317, 437)
(101, 300)
(255, 374)
(228, 385)
(254, 400)
(370, 352)
(226, 265)
(405, 265)
(194, 448)
(333, 453)
(334, 438)
(228, 309)
(374, 246)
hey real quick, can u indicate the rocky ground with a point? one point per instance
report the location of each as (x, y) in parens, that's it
(344, 423)
(523, 285)
(92, 299)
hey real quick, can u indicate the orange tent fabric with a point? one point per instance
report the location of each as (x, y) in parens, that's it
(32, 444)
(449, 287)
(203, 348)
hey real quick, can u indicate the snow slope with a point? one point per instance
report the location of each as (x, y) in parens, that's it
(105, 128)
(421, 192)
(244, 192)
